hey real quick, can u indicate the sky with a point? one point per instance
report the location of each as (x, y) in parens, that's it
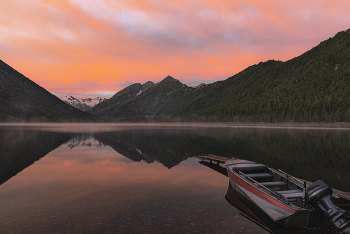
(89, 48)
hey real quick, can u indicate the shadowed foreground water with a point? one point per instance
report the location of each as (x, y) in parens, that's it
(115, 179)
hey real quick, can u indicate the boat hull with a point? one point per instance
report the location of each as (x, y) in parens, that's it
(275, 209)
(279, 211)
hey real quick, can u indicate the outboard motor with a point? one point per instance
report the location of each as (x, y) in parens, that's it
(319, 194)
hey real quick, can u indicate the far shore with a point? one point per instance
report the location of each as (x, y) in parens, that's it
(334, 126)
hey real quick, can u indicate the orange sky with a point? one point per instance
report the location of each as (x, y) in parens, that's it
(98, 47)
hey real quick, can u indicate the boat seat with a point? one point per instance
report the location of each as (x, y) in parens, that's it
(292, 195)
(259, 175)
(273, 184)
(290, 191)
(248, 167)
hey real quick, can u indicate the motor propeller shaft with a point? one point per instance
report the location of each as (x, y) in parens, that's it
(319, 194)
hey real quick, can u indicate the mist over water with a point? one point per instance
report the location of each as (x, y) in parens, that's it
(144, 178)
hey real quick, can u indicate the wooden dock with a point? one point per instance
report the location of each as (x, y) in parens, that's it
(341, 194)
(219, 159)
(211, 157)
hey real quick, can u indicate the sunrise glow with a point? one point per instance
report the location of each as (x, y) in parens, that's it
(98, 47)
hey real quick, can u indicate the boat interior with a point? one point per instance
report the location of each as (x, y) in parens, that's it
(261, 175)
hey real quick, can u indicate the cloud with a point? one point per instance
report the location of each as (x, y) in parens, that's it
(92, 45)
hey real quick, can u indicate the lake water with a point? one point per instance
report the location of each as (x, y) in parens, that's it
(113, 178)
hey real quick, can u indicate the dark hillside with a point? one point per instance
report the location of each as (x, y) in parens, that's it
(248, 84)
(23, 100)
(312, 87)
(117, 100)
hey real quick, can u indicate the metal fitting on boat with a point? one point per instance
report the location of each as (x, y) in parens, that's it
(319, 194)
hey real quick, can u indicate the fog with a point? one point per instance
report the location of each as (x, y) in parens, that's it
(97, 127)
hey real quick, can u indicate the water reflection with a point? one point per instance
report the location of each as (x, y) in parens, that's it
(87, 189)
(117, 179)
(308, 154)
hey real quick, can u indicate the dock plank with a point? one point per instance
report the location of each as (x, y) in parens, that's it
(341, 194)
(213, 157)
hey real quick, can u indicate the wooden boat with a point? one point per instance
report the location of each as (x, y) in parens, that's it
(284, 198)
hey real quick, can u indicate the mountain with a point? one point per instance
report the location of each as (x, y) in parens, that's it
(120, 98)
(149, 101)
(23, 100)
(314, 86)
(84, 104)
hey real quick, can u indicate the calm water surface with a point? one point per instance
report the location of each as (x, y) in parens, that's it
(144, 179)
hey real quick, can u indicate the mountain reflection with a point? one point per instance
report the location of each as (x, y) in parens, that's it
(21, 147)
(83, 139)
(167, 147)
(307, 154)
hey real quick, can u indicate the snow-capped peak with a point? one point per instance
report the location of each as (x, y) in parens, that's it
(92, 101)
(84, 104)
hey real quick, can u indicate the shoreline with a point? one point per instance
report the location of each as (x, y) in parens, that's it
(255, 125)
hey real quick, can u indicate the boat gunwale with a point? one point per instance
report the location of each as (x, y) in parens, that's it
(293, 208)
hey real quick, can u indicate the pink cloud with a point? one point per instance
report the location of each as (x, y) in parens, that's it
(66, 46)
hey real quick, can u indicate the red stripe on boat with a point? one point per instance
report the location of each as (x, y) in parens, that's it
(259, 193)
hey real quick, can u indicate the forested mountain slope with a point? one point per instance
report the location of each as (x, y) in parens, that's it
(314, 86)
(108, 107)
